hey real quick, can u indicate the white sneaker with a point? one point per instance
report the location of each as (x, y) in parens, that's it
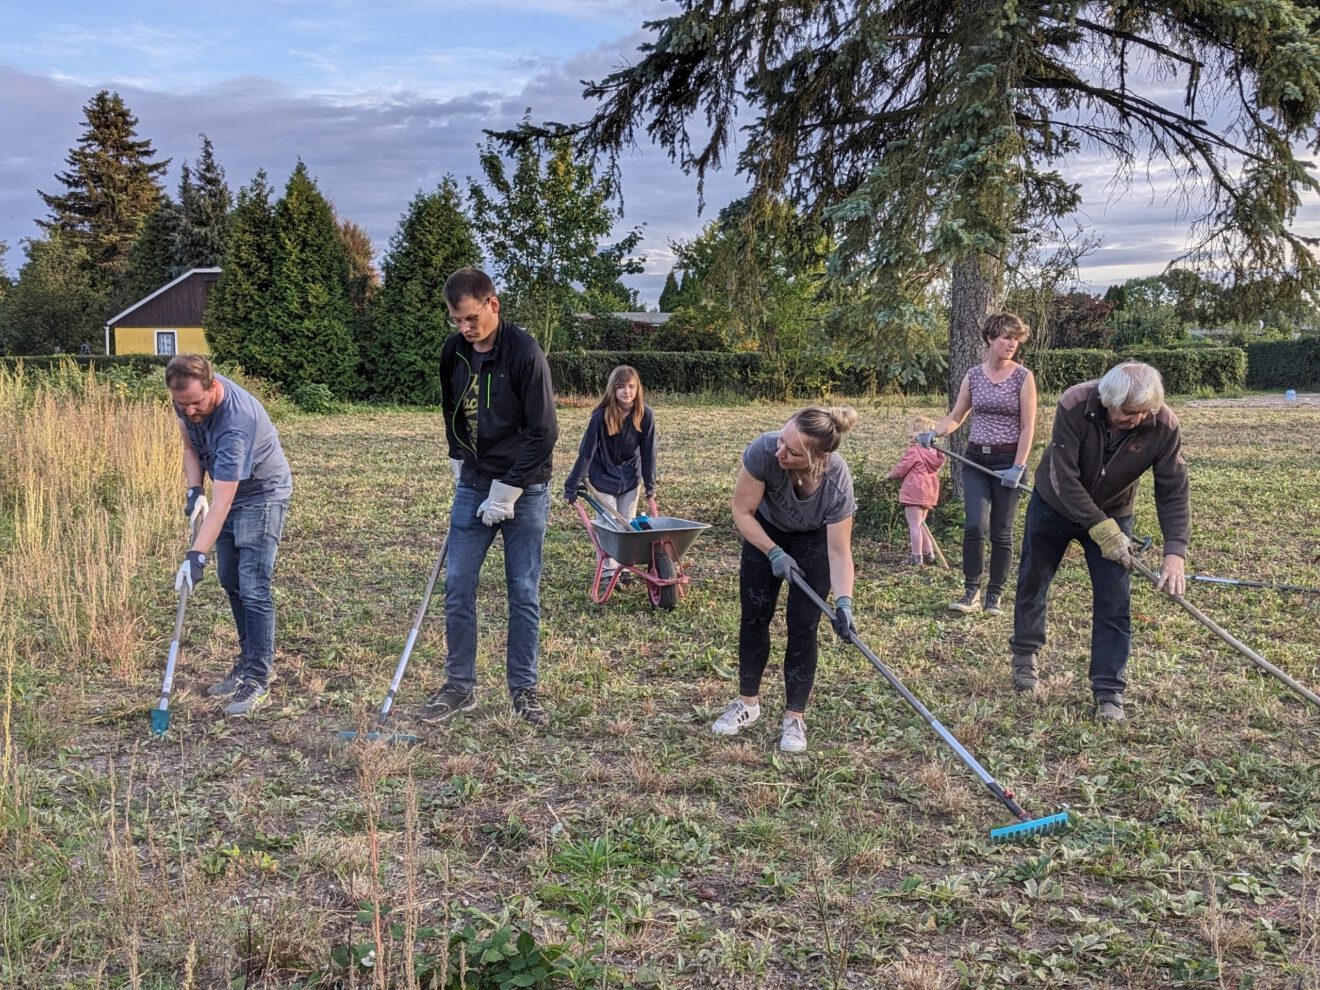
(736, 717)
(794, 737)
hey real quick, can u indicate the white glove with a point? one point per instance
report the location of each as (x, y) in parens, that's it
(200, 509)
(499, 504)
(456, 465)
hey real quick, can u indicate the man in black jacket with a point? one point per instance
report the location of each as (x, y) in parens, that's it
(499, 414)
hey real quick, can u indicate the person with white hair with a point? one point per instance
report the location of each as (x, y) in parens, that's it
(1107, 434)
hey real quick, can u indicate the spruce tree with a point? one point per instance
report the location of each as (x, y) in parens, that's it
(669, 295)
(310, 312)
(237, 321)
(204, 207)
(151, 262)
(111, 188)
(407, 328)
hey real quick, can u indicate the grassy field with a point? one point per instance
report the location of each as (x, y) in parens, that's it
(625, 845)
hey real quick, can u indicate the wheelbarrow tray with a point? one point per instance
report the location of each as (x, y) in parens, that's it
(634, 546)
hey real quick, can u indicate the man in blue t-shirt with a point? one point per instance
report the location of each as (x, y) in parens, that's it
(228, 435)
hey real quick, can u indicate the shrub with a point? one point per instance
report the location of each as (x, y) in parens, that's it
(1059, 369)
(1188, 369)
(1284, 363)
(313, 397)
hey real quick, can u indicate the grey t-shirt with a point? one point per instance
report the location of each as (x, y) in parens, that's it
(238, 442)
(832, 502)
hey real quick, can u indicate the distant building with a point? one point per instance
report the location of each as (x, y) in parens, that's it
(169, 321)
(646, 319)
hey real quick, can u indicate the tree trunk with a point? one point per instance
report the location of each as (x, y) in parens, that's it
(977, 291)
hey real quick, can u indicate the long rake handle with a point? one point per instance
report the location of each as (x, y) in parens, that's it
(167, 686)
(1003, 796)
(944, 561)
(1229, 638)
(600, 505)
(413, 632)
(1269, 585)
(1025, 489)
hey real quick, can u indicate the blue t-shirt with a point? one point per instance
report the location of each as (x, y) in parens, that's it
(238, 442)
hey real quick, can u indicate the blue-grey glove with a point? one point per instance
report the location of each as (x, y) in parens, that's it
(927, 439)
(1012, 477)
(843, 617)
(190, 571)
(781, 563)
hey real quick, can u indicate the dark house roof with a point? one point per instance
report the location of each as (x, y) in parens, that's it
(180, 303)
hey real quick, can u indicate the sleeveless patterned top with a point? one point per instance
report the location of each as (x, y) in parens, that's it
(996, 409)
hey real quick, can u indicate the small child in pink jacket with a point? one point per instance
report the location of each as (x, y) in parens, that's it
(920, 491)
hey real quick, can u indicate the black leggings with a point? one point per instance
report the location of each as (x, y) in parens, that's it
(759, 593)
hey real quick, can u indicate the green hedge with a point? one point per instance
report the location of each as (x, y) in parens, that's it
(1059, 369)
(585, 372)
(1187, 369)
(1284, 363)
(143, 364)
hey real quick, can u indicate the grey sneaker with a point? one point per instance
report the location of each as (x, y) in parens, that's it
(794, 736)
(1109, 711)
(449, 702)
(991, 605)
(528, 704)
(736, 717)
(968, 602)
(225, 688)
(250, 696)
(1025, 677)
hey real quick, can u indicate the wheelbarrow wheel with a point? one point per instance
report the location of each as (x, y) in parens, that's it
(664, 596)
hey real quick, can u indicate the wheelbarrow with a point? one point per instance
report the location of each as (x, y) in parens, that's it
(655, 555)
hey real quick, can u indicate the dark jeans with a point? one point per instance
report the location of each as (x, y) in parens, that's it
(469, 541)
(991, 510)
(758, 590)
(1047, 537)
(244, 562)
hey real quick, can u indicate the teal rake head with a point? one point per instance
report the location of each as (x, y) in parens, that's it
(160, 721)
(1021, 831)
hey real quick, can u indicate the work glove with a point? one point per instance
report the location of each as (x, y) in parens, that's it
(843, 617)
(498, 505)
(190, 571)
(456, 465)
(927, 439)
(196, 505)
(1012, 477)
(781, 563)
(1113, 542)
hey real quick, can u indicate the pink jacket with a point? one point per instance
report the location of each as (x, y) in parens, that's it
(920, 471)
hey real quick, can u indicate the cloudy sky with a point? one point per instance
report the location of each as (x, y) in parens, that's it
(383, 99)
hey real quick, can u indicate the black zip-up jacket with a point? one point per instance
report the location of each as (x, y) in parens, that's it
(615, 463)
(1075, 480)
(516, 424)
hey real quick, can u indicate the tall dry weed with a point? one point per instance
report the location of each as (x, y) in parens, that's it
(89, 491)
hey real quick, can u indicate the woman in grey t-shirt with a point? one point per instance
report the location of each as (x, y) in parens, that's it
(794, 505)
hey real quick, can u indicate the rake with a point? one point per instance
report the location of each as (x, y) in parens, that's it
(388, 704)
(1228, 637)
(160, 715)
(1266, 585)
(1025, 489)
(1025, 827)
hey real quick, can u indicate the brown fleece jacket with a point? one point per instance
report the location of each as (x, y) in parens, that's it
(1073, 478)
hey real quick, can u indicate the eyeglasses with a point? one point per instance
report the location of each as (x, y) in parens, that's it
(458, 322)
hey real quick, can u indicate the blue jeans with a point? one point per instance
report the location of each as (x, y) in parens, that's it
(469, 541)
(244, 561)
(991, 510)
(1047, 536)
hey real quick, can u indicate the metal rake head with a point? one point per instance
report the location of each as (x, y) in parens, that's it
(1049, 825)
(394, 739)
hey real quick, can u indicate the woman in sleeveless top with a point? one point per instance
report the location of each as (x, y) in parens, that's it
(1000, 395)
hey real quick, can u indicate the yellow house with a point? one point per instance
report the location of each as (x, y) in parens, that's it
(169, 321)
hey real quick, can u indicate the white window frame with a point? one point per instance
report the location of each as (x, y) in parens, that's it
(174, 338)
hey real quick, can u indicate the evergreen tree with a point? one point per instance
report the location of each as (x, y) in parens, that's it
(543, 226)
(151, 262)
(238, 327)
(407, 328)
(310, 312)
(204, 207)
(929, 132)
(54, 305)
(669, 295)
(112, 187)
